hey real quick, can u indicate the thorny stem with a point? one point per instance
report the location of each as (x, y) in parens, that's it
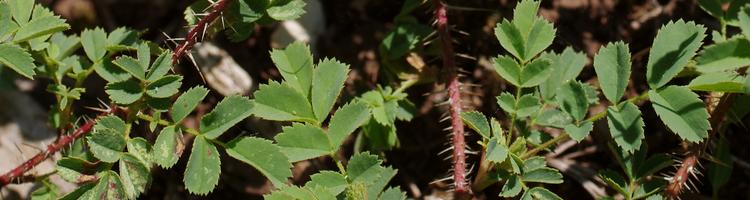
(61, 142)
(454, 93)
(192, 35)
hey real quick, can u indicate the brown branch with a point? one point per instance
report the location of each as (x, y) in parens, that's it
(200, 27)
(17, 175)
(462, 190)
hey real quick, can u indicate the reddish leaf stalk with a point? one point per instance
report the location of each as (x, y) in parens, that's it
(17, 174)
(199, 28)
(454, 98)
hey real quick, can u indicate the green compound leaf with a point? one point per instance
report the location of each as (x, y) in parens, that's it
(230, 111)
(512, 187)
(565, 67)
(21, 10)
(292, 9)
(7, 26)
(579, 132)
(535, 73)
(164, 87)
(94, 43)
(135, 175)
(626, 126)
(46, 191)
(186, 102)
(144, 55)
(527, 35)
(295, 64)
(168, 147)
(302, 142)
(203, 167)
(76, 170)
(141, 149)
(125, 92)
(346, 119)
(121, 39)
(614, 180)
(682, 111)
(304, 193)
(263, 156)
(723, 81)
(109, 71)
(106, 144)
(477, 122)
(554, 118)
(727, 55)
(404, 38)
(572, 99)
(39, 27)
(281, 102)
(78, 192)
(539, 193)
(528, 104)
(674, 45)
(132, 66)
(365, 168)
(497, 152)
(392, 194)
(328, 80)
(612, 65)
(160, 67)
(333, 181)
(109, 186)
(543, 175)
(532, 75)
(508, 69)
(744, 20)
(17, 59)
(111, 122)
(534, 163)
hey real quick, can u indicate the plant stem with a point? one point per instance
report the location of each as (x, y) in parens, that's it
(61, 142)
(454, 98)
(183, 128)
(192, 35)
(405, 85)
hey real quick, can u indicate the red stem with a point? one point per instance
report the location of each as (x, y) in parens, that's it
(61, 142)
(192, 35)
(454, 94)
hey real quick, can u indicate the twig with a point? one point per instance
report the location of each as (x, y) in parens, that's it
(454, 97)
(201, 26)
(17, 174)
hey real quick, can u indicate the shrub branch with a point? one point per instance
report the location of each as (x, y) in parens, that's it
(454, 98)
(192, 36)
(17, 174)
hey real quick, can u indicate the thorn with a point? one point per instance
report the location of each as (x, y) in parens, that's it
(445, 150)
(448, 128)
(192, 59)
(444, 119)
(442, 179)
(460, 55)
(442, 103)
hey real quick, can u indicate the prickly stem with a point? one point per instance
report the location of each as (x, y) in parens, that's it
(454, 92)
